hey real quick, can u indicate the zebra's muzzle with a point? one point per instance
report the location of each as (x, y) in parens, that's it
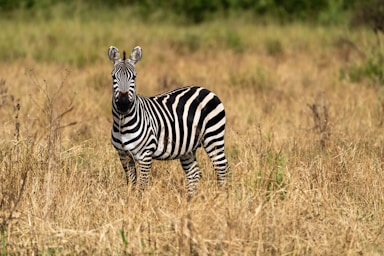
(123, 102)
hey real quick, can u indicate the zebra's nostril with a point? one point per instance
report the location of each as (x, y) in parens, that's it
(123, 95)
(123, 102)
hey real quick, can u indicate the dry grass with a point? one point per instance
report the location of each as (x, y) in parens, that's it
(306, 151)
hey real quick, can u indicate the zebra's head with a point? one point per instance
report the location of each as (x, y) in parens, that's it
(124, 77)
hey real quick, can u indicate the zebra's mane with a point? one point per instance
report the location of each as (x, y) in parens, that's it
(124, 56)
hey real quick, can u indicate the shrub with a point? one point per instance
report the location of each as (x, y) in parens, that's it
(372, 69)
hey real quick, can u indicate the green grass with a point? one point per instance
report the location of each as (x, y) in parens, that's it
(79, 38)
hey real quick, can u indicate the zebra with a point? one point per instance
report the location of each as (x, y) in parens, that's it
(168, 126)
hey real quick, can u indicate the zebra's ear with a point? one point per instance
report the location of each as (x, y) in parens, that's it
(113, 54)
(135, 55)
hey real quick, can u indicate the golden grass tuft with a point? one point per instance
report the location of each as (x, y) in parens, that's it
(305, 148)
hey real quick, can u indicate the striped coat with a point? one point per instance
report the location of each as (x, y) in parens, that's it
(171, 125)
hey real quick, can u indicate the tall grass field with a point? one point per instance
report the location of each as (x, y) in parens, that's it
(304, 139)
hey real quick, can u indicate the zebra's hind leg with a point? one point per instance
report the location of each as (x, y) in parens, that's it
(128, 166)
(214, 146)
(191, 169)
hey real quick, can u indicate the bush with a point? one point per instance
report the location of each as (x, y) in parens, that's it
(372, 70)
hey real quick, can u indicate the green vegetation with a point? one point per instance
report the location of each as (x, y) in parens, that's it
(370, 69)
(196, 11)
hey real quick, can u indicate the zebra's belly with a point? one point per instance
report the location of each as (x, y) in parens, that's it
(166, 150)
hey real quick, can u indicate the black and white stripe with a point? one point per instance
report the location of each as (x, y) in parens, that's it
(171, 125)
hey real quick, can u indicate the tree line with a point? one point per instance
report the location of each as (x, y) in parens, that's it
(196, 11)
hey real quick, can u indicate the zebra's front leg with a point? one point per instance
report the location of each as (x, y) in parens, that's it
(145, 168)
(191, 169)
(128, 166)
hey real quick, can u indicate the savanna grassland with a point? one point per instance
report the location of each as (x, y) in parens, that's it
(304, 138)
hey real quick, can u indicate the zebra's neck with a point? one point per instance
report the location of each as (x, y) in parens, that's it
(126, 121)
(129, 126)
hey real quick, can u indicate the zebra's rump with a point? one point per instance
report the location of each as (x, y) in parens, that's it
(186, 117)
